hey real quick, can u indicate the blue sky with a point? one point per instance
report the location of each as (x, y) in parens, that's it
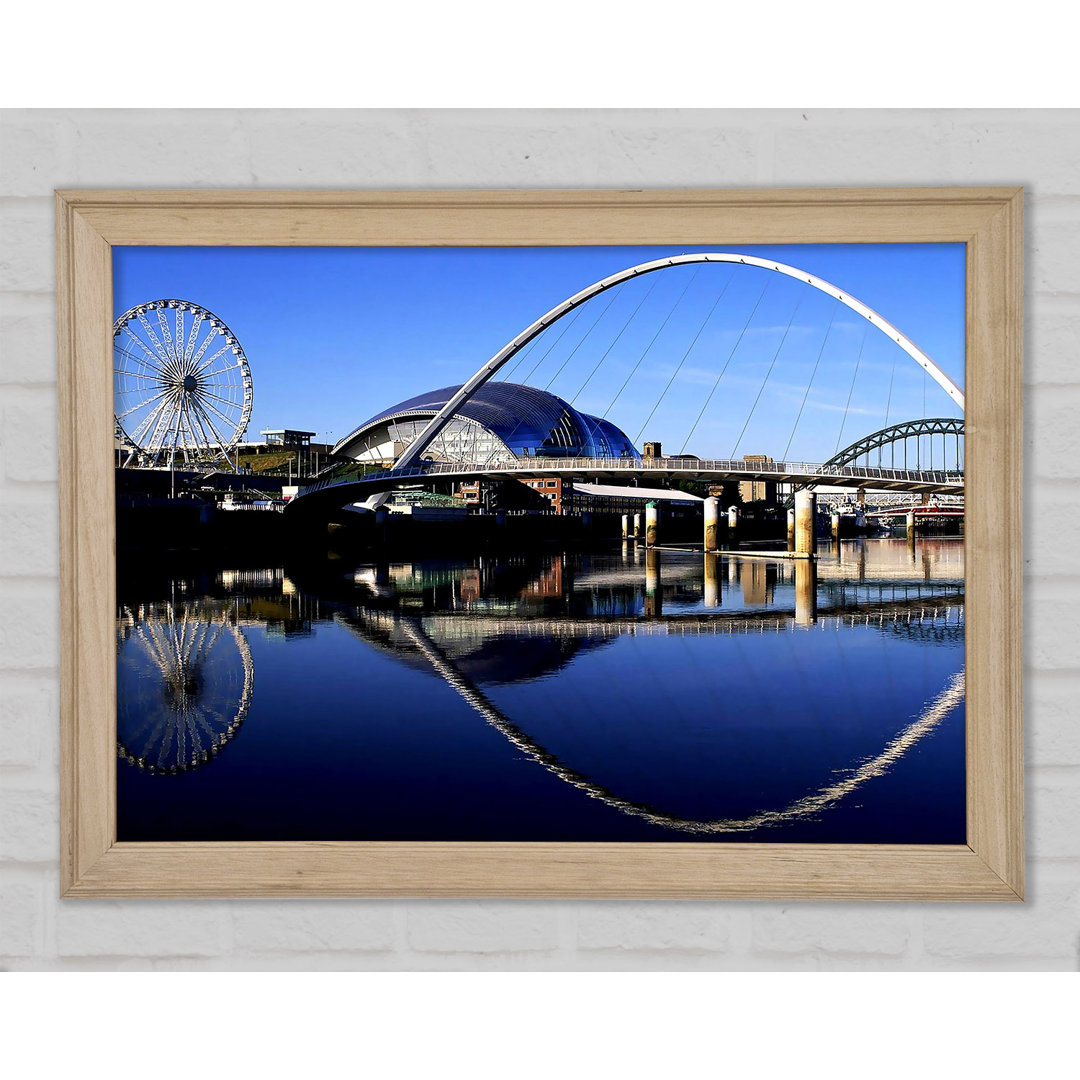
(732, 359)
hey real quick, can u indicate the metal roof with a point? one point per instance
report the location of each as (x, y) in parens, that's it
(528, 420)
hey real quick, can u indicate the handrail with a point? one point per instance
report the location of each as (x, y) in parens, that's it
(667, 465)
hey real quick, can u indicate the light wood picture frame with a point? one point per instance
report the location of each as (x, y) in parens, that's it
(990, 866)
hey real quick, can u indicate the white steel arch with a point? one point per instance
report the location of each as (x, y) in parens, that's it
(511, 348)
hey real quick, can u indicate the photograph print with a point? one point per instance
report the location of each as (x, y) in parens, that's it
(562, 544)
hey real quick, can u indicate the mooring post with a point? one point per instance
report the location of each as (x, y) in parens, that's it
(835, 522)
(652, 524)
(791, 530)
(732, 524)
(712, 523)
(637, 526)
(805, 522)
(626, 527)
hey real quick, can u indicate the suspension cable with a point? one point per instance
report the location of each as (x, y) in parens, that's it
(504, 376)
(651, 343)
(584, 337)
(821, 352)
(761, 390)
(888, 406)
(689, 350)
(652, 286)
(521, 419)
(570, 322)
(738, 342)
(851, 388)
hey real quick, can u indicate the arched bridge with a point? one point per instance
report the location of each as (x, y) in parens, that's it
(899, 435)
(410, 467)
(339, 491)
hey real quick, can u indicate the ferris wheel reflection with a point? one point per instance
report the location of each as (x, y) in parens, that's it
(185, 680)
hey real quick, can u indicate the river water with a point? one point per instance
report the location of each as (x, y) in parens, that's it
(616, 695)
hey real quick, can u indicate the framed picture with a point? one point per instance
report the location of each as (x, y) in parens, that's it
(541, 543)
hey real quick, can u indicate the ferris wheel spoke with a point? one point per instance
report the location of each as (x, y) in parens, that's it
(214, 331)
(157, 379)
(154, 357)
(160, 435)
(141, 730)
(202, 427)
(207, 441)
(142, 404)
(217, 412)
(193, 336)
(155, 652)
(160, 730)
(185, 419)
(153, 362)
(162, 352)
(216, 397)
(155, 426)
(152, 365)
(170, 348)
(147, 424)
(178, 348)
(210, 359)
(207, 647)
(206, 416)
(221, 369)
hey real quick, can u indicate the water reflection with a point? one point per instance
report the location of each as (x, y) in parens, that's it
(699, 696)
(185, 680)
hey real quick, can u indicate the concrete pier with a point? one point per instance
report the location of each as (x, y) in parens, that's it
(652, 524)
(733, 525)
(834, 522)
(712, 523)
(712, 580)
(626, 526)
(805, 522)
(654, 600)
(637, 527)
(805, 592)
(791, 530)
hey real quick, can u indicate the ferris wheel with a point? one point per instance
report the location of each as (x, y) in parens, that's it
(182, 385)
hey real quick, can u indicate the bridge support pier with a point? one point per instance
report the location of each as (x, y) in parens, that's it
(805, 522)
(835, 524)
(652, 524)
(637, 527)
(626, 527)
(733, 525)
(712, 523)
(791, 530)
(654, 601)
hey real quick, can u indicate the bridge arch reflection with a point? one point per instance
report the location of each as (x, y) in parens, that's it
(925, 620)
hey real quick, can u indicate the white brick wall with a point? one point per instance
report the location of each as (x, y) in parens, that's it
(46, 149)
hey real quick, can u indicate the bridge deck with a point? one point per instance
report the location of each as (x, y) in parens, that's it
(629, 470)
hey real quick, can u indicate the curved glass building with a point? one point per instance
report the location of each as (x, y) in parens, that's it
(500, 422)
